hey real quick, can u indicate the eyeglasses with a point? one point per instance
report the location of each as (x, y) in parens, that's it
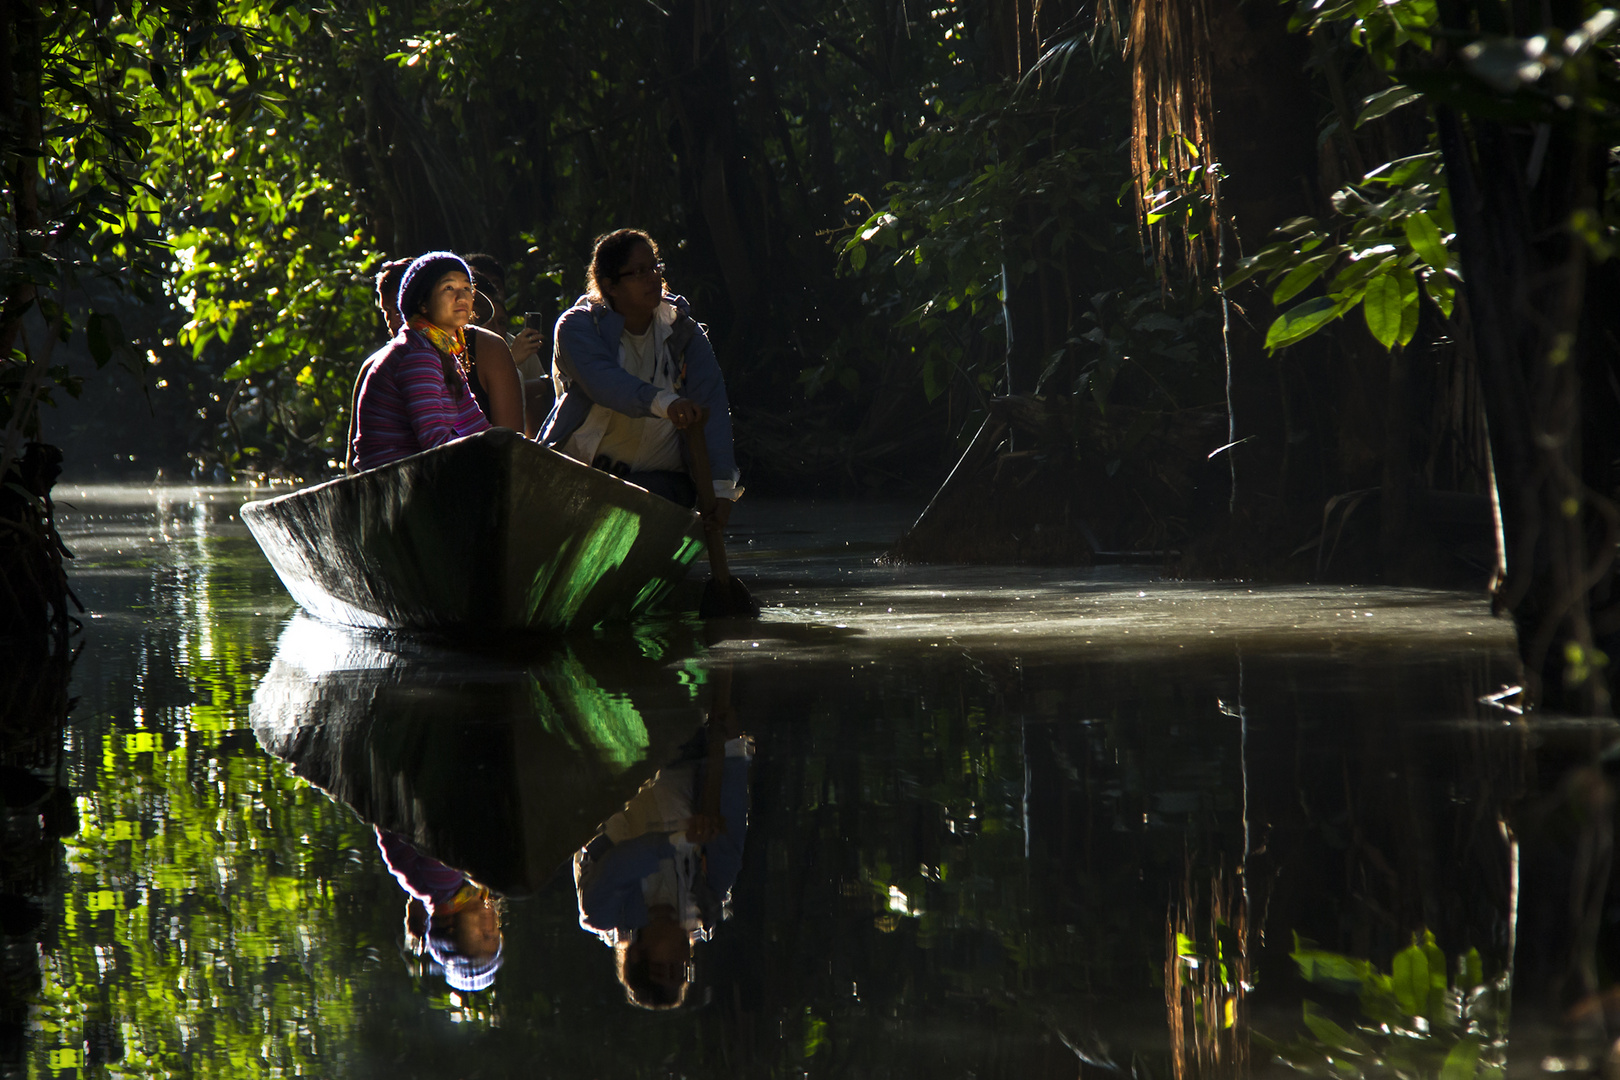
(656, 270)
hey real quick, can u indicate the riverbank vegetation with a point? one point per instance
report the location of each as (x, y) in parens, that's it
(1268, 289)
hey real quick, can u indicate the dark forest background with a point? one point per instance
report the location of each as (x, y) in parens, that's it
(1314, 290)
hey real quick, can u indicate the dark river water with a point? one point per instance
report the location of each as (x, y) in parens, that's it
(946, 822)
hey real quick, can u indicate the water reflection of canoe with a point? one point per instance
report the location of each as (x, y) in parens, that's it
(492, 533)
(501, 768)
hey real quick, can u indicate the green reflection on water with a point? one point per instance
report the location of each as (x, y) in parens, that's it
(571, 704)
(206, 920)
(1428, 1017)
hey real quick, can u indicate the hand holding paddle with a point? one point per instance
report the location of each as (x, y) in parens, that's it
(724, 595)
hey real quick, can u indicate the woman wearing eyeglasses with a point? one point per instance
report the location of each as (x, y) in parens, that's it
(414, 393)
(633, 368)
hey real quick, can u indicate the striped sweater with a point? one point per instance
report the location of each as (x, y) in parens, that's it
(403, 406)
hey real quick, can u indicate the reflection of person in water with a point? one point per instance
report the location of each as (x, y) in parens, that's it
(450, 916)
(657, 877)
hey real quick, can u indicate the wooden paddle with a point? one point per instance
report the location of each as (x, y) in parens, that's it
(724, 596)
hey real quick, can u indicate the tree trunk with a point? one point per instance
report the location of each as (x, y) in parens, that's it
(1524, 269)
(708, 147)
(19, 112)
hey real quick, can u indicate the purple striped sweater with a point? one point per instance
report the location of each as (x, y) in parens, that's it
(404, 408)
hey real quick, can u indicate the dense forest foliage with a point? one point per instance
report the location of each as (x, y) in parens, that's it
(1266, 288)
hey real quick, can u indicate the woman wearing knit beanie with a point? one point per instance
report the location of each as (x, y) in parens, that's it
(414, 395)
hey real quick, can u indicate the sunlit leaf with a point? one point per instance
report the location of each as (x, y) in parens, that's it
(1381, 305)
(1504, 63)
(1332, 1034)
(1267, 258)
(1385, 101)
(1330, 969)
(1300, 277)
(1301, 321)
(1410, 969)
(1462, 1061)
(1441, 291)
(1424, 236)
(1407, 283)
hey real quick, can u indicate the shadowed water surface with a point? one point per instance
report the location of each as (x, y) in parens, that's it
(999, 823)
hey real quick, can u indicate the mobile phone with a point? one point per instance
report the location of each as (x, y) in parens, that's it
(533, 320)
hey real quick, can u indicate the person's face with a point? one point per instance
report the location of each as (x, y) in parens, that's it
(389, 306)
(668, 951)
(640, 285)
(450, 302)
(477, 930)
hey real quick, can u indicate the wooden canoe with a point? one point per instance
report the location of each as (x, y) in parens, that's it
(489, 534)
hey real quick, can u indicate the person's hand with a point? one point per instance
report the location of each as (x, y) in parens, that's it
(722, 514)
(526, 344)
(701, 828)
(683, 413)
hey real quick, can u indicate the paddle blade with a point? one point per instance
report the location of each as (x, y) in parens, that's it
(727, 600)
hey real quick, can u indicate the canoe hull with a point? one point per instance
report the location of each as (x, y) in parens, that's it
(490, 533)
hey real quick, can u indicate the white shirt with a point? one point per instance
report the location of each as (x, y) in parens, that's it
(645, 443)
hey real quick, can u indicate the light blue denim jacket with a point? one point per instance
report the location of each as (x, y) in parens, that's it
(586, 360)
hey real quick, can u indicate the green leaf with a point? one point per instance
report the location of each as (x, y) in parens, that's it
(857, 256)
(1381, 305)
(1591, 30)
(815, 1033)
(1385, 101)
(1301, 321)
(1408, 285)
(1331, 1034)
(1301, 276)
(1473, 970)
(1462, 1062)
(1441, 291)
(1267, 258)
(1350, 282)
(1411, 966)
(1431, 949)
(1424, 236)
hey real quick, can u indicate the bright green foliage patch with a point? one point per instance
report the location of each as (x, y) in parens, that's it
(208, 924)
(1427, 1018)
